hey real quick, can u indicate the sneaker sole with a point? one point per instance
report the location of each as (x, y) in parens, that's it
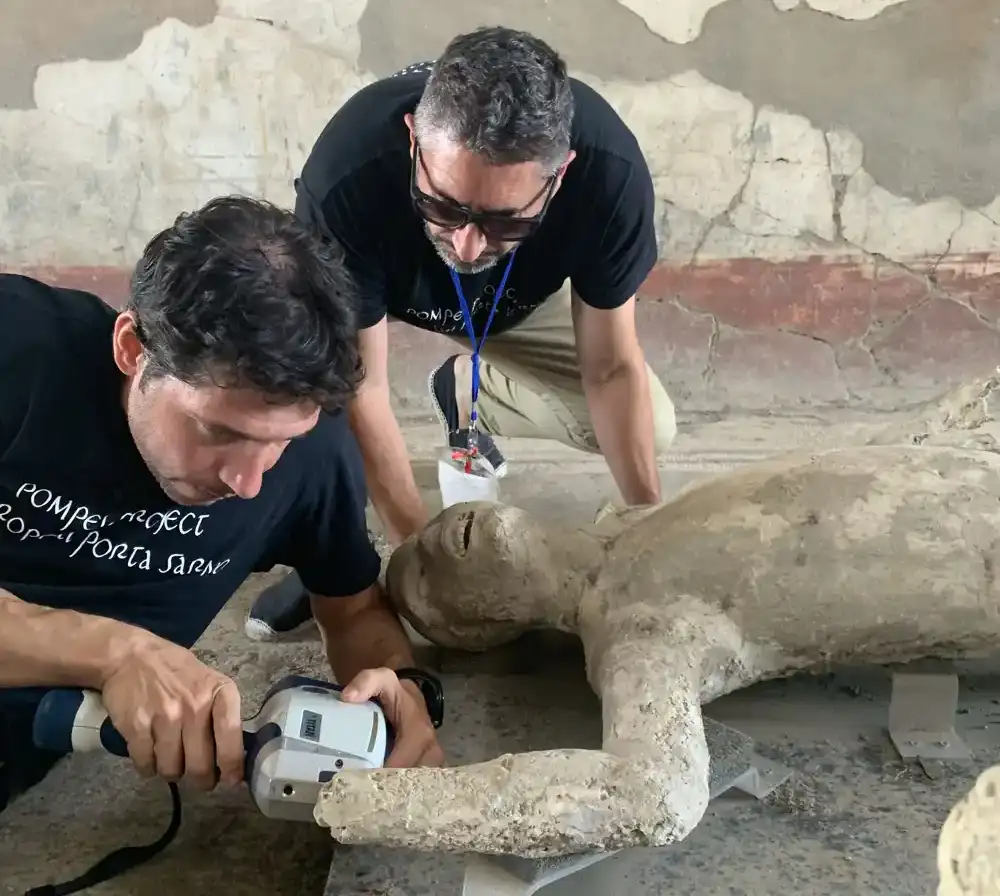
(260, 631)
(500, 471)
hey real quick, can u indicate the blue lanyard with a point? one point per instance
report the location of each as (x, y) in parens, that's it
(471, 330)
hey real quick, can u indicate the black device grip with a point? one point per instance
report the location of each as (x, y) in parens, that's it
(66, 721)
(60, 711)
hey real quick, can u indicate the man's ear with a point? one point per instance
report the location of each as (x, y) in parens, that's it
(561, 173)
(411, 127)
(126, 346)
(561, 170)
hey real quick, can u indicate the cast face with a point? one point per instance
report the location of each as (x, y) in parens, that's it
(477, 576)
(449, 179)
(204, 443)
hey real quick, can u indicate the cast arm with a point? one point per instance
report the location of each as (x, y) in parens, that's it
(649, 784)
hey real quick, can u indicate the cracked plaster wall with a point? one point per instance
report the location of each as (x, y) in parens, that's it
(682, 21)
(799, 241)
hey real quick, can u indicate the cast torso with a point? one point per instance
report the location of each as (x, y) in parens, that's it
(865, 554)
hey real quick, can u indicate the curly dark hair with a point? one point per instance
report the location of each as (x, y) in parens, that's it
(240, 293)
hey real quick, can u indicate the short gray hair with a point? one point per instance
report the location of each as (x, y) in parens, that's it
(503, 95)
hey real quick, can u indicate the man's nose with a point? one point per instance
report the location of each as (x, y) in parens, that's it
(469, 242)
(244, 471)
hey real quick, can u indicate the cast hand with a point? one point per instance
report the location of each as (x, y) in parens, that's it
(180, 718)
(416, 740)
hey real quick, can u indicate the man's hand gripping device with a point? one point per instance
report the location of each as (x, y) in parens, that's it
(302, 736)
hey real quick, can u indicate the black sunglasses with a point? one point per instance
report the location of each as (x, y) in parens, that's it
(499, 226)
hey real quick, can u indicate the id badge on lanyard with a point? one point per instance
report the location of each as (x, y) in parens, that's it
(462, 473)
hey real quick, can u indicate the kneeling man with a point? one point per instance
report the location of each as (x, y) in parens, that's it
(150, 460)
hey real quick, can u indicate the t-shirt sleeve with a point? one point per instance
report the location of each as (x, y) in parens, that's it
(329, 545)
(342, 215)
(623, 249)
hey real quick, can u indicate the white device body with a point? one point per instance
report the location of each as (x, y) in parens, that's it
(321, 735)
(86, 734)
(305, 735)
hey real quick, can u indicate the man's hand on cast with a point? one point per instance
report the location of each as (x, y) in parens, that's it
(416, 740)
(180, 718)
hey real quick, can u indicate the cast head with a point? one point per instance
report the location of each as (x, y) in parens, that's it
(480, 574)
(490, 136)
(238, 332)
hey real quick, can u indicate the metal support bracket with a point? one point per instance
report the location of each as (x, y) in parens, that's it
(764, 776)
(513, 876)
(922, 717)
(734, 765)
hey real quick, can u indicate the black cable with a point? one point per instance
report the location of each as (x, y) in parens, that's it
(119, 861)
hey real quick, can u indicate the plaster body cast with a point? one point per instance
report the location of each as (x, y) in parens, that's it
(870, 554)
(968, 856)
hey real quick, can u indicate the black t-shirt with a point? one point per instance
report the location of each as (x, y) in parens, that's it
(83, 524)
(598, 232)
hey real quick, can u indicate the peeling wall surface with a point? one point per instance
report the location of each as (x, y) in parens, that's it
(826, 170)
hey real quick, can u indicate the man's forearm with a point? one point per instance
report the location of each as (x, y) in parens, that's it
(622, 412)
(362, 633)
(390, 481)
(42, 647)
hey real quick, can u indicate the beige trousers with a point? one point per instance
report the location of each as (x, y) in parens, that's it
(530, 383)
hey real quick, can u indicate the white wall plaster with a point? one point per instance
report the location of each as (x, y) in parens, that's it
(724, 242)
(789, 190)
(681, 21)
(843, 9)
(115, 150)
(696, 135)
(980, 229)
(736, 183)
(898, 228)
(846, 153)
(682, 232)
(332, 25)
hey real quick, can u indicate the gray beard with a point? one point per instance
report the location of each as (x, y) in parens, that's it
(461, 267)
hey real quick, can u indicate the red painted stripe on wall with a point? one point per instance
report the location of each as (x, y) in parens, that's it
(755, 334)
